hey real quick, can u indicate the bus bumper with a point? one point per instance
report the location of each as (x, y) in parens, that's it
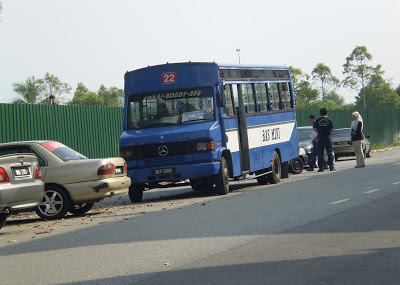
(179, 172)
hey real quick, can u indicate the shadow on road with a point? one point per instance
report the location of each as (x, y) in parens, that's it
(358, 268)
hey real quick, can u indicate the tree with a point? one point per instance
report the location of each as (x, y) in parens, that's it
(112, 96)
(51, 86)
(398, 90)
(28, 91)
(378, 95)
(324, 79)
(302, 88)
(358, 72)
(84, 97)
(334, 97)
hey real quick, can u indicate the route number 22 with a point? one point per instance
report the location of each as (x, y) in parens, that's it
(168, 78)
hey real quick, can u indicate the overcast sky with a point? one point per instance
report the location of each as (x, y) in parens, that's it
(97, 41)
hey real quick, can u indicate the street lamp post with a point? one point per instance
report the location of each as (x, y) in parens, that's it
(238, 51)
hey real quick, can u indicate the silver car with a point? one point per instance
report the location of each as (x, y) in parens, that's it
(343, 146)
(20, 184)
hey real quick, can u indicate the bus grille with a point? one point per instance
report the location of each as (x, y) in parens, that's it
(164, 160)
(147, 152)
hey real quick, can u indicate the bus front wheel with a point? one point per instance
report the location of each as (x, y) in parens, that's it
(275, 176)
(222, 179)
(136, 193)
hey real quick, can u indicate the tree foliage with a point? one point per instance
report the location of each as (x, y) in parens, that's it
(303, 90)
(335, 97)
(358, 72)
(379, 94)
(324, 80)
(51, 85)
(28, 91)
(112, 96)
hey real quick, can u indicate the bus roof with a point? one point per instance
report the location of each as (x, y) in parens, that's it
(252, 66)
(220, 65)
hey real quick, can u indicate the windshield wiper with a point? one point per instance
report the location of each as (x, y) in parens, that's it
(159, 125)
(195, 120)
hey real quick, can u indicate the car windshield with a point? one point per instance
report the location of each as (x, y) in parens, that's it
(343, 133)
(63, 152)
(170, 108)
(305, 134)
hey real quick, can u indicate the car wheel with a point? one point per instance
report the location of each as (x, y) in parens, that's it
(222, 179)
(81, 209)
(55, 203)
(275, 176)
(3, 218)
(297, 165)
(136, 193)
(369, 154)
(336, 157)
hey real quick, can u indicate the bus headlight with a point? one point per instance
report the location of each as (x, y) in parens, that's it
(126, 154)
(205, 146)
(201, 146)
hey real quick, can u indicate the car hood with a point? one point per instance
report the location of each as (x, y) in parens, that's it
(166, 134)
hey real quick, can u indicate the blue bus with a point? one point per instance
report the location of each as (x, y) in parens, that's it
(207, 123)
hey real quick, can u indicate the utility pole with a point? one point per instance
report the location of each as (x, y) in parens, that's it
(238, 51)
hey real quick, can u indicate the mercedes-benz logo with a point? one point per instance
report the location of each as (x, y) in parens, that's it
(163, 150)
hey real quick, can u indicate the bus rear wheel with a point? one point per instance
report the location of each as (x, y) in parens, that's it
(222, 179)
(276, 168)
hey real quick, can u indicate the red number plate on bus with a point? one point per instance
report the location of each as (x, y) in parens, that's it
(168, 78)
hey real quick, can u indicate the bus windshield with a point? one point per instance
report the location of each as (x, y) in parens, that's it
(170, 108)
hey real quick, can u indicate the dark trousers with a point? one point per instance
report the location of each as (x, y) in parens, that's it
(314, 155)
(322, 145)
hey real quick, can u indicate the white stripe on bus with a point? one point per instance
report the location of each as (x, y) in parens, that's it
(262, 135)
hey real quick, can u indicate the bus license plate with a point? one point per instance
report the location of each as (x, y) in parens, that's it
(163, 171)
(21, 172)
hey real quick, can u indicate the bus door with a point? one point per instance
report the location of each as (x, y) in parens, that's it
(242, 129)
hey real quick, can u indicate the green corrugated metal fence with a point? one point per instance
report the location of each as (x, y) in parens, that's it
(382, 125)
(95, 131)
(92, 131)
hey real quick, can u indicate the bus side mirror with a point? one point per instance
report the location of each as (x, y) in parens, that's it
(220, 99)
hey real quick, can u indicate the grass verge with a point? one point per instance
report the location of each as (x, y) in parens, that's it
(377, 147)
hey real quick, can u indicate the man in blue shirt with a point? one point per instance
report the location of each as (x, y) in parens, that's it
(324, 127)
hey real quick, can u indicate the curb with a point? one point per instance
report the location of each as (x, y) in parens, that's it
(386, 149)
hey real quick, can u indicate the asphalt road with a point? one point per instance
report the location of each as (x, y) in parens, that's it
(339, 227)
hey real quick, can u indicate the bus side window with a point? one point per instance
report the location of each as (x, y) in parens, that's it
(262, 99)
(285, 94)
(273, 93)
(235, 97)
(228, 99)
(248, 98)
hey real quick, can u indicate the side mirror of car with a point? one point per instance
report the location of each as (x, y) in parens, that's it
(367, 137)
